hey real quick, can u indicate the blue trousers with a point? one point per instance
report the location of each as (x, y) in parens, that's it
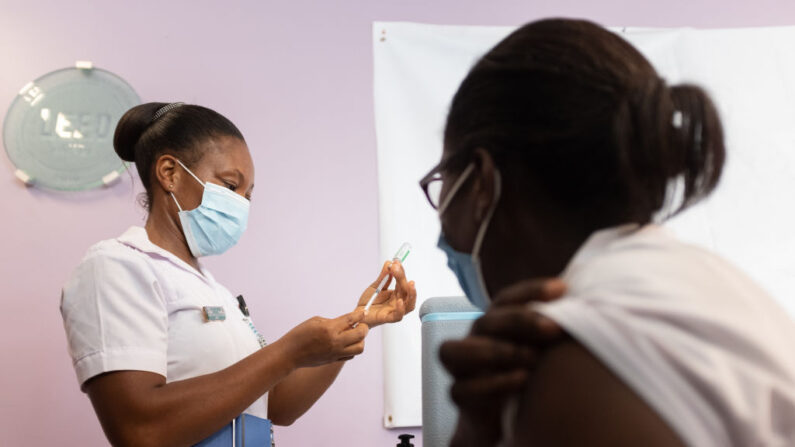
(250, 431)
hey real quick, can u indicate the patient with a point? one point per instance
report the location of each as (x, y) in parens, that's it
(563, 151)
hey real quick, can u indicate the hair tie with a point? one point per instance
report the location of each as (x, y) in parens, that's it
(165, 109)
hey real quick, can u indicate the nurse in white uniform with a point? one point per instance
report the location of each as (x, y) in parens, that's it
(562, 147)
(168, 356)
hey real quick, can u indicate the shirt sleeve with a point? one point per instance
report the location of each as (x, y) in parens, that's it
(114, 315)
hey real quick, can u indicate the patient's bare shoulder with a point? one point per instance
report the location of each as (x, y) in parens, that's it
(574, 400)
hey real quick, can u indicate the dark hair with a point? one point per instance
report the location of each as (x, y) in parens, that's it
(178, 130)
(578, 112)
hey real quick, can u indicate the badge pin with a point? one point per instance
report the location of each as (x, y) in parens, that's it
(213, 313)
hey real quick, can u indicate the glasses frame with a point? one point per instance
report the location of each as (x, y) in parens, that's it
(434, 175)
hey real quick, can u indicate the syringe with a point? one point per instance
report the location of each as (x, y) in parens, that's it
(401, 256)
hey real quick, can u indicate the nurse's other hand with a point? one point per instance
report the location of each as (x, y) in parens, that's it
(318, 341)
(495, 360)
(390, 305)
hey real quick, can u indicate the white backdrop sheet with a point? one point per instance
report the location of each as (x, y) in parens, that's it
(750, 219)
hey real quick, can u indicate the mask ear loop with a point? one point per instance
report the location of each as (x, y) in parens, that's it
(482, 233)
(485, 225)
(456, 186)
(192, 175)
(175, 201)
(190, 172)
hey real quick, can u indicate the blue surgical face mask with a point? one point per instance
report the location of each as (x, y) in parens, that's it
(466, 266)
(217, 223)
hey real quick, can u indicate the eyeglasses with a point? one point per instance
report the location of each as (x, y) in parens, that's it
(432, 184)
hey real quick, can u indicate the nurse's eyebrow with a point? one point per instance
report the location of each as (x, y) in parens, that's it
(233, 172)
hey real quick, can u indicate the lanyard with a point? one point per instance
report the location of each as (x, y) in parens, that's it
(244, 308)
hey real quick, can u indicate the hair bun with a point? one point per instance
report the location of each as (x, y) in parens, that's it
(131, 126)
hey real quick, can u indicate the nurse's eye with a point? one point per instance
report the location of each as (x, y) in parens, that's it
(231, 186)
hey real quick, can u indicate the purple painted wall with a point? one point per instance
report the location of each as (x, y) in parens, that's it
(296, 77)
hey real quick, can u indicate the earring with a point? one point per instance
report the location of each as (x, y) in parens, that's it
(170, 186)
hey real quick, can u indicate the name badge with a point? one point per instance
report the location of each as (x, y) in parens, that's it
(214, 313)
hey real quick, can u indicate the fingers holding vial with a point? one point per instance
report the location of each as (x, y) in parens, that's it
(383, 305)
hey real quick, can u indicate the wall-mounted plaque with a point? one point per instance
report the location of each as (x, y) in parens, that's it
(59, 129)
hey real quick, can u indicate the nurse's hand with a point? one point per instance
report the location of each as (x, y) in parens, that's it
(496, 359)
(318, 341)
(390, 305)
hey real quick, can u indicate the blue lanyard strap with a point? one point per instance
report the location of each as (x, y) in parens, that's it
(244, 309)
(260, 338)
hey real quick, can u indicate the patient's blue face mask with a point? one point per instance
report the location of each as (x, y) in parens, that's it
(466, 266)
(217, 223)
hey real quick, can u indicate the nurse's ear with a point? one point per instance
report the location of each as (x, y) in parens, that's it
(167, 172)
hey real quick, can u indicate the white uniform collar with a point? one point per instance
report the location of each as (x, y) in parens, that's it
(601, 240)
(137, 238)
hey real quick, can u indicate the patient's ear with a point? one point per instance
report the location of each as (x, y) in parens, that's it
(484, 185)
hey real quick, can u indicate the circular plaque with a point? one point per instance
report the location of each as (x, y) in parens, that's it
(59, 129)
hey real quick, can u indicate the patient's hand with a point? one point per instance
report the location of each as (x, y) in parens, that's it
(494, 361)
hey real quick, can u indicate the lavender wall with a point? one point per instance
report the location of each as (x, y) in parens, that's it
(296, 76)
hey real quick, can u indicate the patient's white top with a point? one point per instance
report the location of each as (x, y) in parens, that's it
(699, 341)
(131, 305)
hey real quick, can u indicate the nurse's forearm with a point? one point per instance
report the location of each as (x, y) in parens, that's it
(138, 408)
(296, 394)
